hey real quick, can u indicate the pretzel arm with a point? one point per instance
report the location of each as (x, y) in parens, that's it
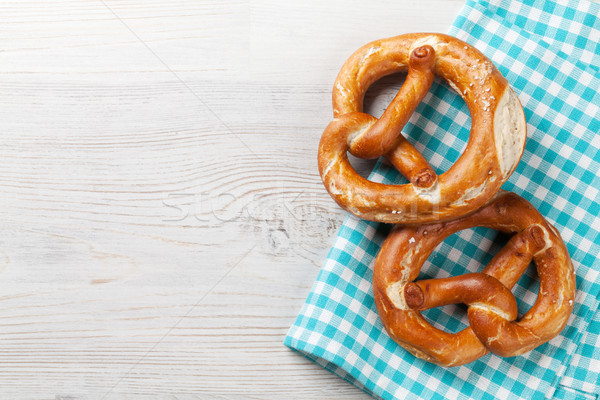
(513, 259)
(385, 137)
(379, 139)
(411, 164)
(474, 289)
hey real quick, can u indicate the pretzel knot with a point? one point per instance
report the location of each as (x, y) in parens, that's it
(496, 141)
(492, 308)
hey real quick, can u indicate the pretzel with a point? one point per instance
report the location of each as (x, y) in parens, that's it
(492, 309)
(496, 141)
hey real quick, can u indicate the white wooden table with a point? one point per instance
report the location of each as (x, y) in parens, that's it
(162, 215)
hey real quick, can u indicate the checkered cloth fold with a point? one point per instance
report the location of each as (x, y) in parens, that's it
(550, 53)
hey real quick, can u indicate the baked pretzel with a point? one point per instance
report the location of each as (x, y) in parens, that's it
(496, 142)
(492, 309)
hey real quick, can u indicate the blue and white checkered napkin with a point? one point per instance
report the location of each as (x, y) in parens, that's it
(550, 53)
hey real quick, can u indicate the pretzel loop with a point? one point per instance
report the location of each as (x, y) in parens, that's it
(496, 141)
(492, 308)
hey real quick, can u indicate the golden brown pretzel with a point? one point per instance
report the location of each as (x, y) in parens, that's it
(492, 308)
(496, 141)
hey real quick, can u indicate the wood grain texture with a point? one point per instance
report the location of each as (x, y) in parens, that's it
(163, 218)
